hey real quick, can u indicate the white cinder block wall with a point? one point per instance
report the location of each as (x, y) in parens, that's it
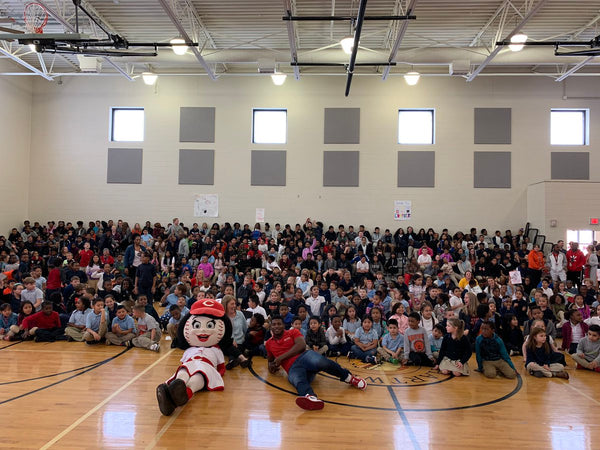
(15, 135)
(70, 138)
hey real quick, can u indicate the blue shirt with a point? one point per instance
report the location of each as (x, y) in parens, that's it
(392, 343)
(7, 322)
(366, 337)
(79, 317)
(126, 324)
(171, 300)
(92, 321)
(436, 344)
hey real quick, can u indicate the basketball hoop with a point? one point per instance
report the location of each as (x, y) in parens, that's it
(36, 17)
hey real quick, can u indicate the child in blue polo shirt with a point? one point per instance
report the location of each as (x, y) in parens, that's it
(7, 319)
(122, 328)
(391, 343)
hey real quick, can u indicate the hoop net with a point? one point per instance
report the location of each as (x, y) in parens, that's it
(36, 17)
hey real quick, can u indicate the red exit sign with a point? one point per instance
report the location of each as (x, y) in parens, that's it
(594, 221)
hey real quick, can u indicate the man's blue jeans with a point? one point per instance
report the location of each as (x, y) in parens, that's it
(306, 367)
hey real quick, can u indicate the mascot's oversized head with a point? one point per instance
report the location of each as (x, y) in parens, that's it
(204, 326)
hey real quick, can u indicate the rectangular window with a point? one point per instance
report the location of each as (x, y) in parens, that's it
(569, 126)
(582, 237)
(415, 126)
(269, 126)
(127, 125)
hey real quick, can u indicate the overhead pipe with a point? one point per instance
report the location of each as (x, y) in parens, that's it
(344, 18)
(359, 21)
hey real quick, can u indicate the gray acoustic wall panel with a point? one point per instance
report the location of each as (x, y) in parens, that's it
(416, 169)
(196, 124)
(124, 166)
(492, 125)
(340, 168)
(268, 168)
(342, 126)
(492, 170)
(197, 167)
(570, 166)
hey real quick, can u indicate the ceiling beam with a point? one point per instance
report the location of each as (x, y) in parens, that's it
(575, 68)
(287, 5)
(177, 22)
(532, 12)
(25, 64)
(399, 37)
(362, 7)
(72, 29)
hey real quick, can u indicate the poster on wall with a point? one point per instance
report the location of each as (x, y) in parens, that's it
(402, 209)
(206, 205)
(260, 215)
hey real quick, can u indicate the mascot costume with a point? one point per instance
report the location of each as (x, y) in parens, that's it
(202, 334)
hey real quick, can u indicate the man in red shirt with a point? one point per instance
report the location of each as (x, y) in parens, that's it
(575, 263)
(44, 325)
(287, 349)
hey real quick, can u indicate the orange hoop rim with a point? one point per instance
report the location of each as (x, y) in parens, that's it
(35, 17)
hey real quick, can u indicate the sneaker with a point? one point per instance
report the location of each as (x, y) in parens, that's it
(232, 363)
(351, 355)
(512, 353)
(371, 360)
(338, 354)
(128, 344)
(579, 366)
(561, 374)
(358, 383)
(155, 347)
(310, 402)
(597, 369)
(538, 373)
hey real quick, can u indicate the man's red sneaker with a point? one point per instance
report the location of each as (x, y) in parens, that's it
(579, 366)
(358, 383)
(310, 402)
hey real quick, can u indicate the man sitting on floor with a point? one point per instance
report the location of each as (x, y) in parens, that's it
(287, 349)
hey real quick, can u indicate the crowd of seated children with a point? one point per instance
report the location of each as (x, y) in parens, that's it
(403, 297)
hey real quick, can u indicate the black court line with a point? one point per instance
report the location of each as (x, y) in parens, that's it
(95, 366)
(378, 408)
(405, 421)
(52, 374)
(477, 405)
(10, 345)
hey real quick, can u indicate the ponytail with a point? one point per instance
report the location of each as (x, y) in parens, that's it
(459, 325)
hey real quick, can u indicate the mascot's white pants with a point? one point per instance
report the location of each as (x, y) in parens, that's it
(194, 383)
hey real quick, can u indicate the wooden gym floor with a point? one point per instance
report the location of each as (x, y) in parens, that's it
(69, 395)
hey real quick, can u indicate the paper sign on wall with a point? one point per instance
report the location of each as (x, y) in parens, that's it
(515, 277)
(402, 209)
(260, 214)
(206, 205)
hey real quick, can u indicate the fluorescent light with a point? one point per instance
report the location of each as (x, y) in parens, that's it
(149, 78)
(177, 46)
(517, 41)
(33, 48)
(347, 44)
(278, 78)
(412, 78)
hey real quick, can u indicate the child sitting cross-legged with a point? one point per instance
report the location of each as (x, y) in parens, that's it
(456, 350)
(391, 343)
(492, 357)
(95, 323)
(417, 349)
(437, 336)
(8, 319)
(588, 350)
(76, 326)
(315, 336)
(44, 325)
(255, 336)
(148, 331)
(173, 324)
(336, 338)
(122, 328)
(540, 357)
(365, 342)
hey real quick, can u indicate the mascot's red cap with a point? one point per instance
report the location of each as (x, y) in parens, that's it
(207, 306)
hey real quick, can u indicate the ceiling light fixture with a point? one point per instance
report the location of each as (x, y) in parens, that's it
(517, 42)
(347, 44)
(149, 78)
(178, 46)
(278, 78)
(412, 77)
